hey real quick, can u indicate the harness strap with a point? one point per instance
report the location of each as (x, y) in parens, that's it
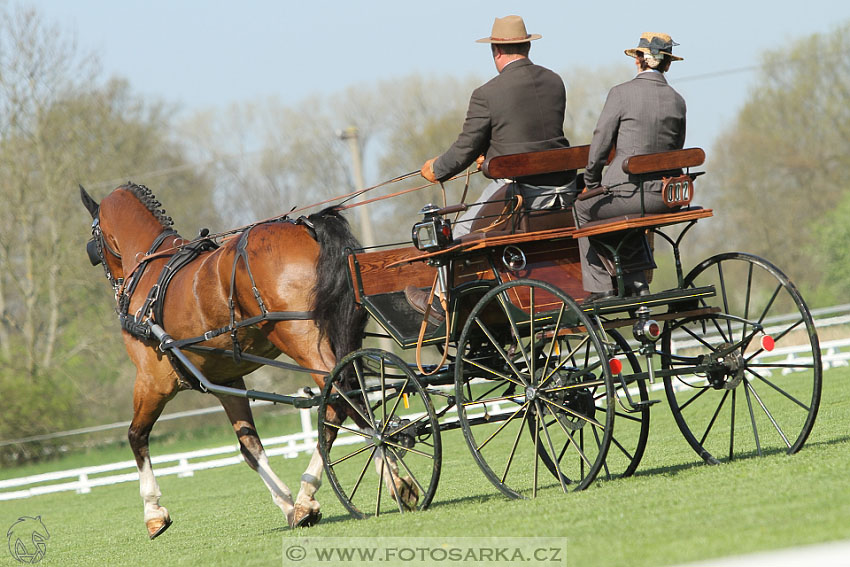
(268, 316)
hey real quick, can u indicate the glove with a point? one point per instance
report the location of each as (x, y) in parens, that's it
(427, 170)
(480, 161)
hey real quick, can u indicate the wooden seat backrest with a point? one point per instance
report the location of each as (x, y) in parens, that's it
(512, 166)
(663, 161)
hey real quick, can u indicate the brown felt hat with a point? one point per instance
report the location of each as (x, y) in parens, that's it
(654, 44)
(510, 29)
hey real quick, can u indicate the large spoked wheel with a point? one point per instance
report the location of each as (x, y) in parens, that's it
(533, 391)
(758, 383)
(389, 459)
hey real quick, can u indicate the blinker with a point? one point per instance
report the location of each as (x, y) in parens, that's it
(91, 249)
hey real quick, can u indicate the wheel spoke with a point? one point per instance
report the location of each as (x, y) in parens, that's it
(345, 397)
(352, 454)
(502, 427)
(575, 413)
(581, 454)
(780, 390)
(753, 421)
(409, 449)
(359, 372)
(732, 427)
(393, 487)
(501, 351)
(552, 344)
(504, 301)
(698, 394)
(350, 430)
(767, 412)
(362, 473)
(380, 488)
(514, 446)
(395, 403)
(725, 300)
(770, 303)
(485, 368)
(747, 303)
(714, 417)
(407, 469)
(776, 339)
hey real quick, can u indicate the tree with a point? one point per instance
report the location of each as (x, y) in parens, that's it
(58, 334)
(780, 169)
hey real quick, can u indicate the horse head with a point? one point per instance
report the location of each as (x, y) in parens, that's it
(125, 221)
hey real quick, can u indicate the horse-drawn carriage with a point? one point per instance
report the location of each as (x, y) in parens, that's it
(548, 390)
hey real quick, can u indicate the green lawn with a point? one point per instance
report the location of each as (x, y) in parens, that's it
(674, 509)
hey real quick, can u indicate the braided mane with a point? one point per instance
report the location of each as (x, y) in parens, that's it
(149, 200)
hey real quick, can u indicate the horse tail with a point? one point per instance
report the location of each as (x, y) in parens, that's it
(334, 310)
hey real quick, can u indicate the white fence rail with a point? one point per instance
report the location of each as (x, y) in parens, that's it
(834, 353)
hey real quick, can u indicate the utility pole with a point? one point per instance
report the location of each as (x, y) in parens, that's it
(352, 136)
(367, 235)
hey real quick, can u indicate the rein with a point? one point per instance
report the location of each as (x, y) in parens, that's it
(225, 235)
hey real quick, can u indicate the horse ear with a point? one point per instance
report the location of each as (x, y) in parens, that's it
(90, 204)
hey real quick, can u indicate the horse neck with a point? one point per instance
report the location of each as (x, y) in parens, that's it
(135, 229)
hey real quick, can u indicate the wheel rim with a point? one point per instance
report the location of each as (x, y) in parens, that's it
(525, 390)
(751, 400)
(400, 433)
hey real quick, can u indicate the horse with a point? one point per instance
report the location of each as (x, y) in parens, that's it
(294, 267)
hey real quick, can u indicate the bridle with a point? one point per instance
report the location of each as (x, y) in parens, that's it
(95, 249)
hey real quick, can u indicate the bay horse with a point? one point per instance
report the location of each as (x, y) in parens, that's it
(294, 267)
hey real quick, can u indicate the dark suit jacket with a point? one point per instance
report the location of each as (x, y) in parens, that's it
(641, 116)
(520, 110)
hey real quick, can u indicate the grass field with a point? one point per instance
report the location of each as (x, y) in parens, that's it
(674, 510)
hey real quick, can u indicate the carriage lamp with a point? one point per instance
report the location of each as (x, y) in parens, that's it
(648, 330)
(433, 232)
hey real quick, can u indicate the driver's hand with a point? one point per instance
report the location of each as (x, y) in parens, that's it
(427, 170)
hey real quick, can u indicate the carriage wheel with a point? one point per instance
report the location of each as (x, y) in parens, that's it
(526, 389)
(389, 461)
(761, 392)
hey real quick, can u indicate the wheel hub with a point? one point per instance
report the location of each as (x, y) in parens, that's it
(576, 400)
(727, 370)
(398, 432)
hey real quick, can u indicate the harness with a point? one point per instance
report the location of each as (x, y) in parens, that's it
(151, 309)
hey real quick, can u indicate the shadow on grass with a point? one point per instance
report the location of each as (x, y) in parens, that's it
(435, 505)
(681, 467)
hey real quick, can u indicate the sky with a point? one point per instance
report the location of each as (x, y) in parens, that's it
(201, 54)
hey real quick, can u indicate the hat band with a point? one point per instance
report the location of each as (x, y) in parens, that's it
(657, 45)
(509, 38)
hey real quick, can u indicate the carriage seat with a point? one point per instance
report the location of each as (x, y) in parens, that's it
(652, 164)
(495, 217)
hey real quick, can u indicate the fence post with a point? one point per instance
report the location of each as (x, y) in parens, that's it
(84, 487)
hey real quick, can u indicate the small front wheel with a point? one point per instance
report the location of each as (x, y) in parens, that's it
(389, 459)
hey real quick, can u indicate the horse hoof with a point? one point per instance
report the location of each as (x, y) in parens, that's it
(309, 519)
(408, 493)
(157, 527)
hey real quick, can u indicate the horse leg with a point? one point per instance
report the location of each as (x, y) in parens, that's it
(307, 508)
(148, 404)
(239, 412)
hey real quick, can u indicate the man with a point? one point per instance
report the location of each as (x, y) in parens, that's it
(520, 110)
(642, 116)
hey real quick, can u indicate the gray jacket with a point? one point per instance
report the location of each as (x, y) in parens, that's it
(520, 110)
(641, 116)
